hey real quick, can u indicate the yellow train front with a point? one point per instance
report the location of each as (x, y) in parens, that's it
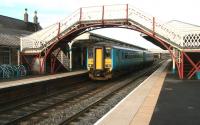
(99, 62)
(105, 61)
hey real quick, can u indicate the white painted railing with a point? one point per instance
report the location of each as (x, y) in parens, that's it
(41, 38)
(170, 34)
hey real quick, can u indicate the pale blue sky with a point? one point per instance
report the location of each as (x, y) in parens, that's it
(51, 11)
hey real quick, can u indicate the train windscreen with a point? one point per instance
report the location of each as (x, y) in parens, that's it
(90, 53)
(108, 53)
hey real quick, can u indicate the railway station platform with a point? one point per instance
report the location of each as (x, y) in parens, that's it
(25, 81)
(162, 99)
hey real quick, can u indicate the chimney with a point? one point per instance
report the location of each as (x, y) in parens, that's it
(25, 15)
(35, 18)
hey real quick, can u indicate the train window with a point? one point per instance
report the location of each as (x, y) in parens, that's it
(108, 53)
(90, 53)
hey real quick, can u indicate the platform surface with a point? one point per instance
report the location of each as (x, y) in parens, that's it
(39, 79)
(178, 103)
(133, 109)
(165, 100)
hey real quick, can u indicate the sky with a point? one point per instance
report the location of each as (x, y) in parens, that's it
(51, 11)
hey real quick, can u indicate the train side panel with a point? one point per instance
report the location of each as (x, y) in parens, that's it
(148, 58)
(116, 64)
(126, 59)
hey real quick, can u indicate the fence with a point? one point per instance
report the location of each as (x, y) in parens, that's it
(12, 71)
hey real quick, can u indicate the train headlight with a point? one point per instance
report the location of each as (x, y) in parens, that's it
(108, 65)
(90, 65)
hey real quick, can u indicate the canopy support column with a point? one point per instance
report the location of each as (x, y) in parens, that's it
(173, 62)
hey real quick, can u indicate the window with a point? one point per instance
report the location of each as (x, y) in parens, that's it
(90, 53)
(108, 53)
(4, 55)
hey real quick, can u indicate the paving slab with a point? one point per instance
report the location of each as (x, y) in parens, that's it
(19, 82)
(125, 111)
(178, 103)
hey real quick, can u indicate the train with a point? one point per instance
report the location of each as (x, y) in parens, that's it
(107, 61)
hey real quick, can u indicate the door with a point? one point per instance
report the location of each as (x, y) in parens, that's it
(99, 58)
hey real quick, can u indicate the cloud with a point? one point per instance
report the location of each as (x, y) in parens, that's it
(7, 3)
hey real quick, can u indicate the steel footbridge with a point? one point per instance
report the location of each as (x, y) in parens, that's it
(181, 39)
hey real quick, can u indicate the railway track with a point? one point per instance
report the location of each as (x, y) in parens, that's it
(93, 112)
(26, 93)
(14, 114)
(69, 107)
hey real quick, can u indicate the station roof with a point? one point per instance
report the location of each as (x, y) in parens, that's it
(12, 23)
(11, 37)
(12, 29)
(158, 51)
(89, 39)
(152, 40)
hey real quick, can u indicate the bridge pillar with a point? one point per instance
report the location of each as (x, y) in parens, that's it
(39, 65)
(18, 57)
(70, 55)
(35, 64)
(173, 62)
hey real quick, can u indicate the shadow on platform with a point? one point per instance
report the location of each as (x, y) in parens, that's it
(178, 103)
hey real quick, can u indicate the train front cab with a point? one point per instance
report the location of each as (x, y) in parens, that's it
(99, 63)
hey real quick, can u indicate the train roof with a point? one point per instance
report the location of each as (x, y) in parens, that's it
(125, 48)
(118, 46)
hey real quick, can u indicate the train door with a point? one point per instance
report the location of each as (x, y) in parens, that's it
(99, 58)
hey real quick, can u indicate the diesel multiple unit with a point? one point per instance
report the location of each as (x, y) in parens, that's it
(106, 61)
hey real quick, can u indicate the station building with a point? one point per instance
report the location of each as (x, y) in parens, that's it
(11, 30)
